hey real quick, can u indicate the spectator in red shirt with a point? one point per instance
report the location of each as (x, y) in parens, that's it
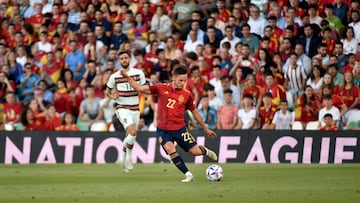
(60, 97)
(277, 91)
(266, 112)
(29, 120)
(143, 64)
(350, 94)
(73, 103)
(308, 106)
(12, 110)
(53, 119)
(224, 13)
(68, 124)
(6, 85)
(197, 80)
(253, 89)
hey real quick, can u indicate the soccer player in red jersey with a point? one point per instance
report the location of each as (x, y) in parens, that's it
(173, 101)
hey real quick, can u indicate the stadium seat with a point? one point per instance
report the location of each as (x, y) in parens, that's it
(354, 116)
(297, 126)
(98, 127)
(152, 127)
(9, 127)
(111, 128)
(312, 125)
(290, 99)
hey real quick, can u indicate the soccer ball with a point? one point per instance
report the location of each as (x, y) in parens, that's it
(214, 173)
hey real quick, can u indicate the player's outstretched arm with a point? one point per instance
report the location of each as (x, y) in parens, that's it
(140, 88)
(109, 93)
(198, 118)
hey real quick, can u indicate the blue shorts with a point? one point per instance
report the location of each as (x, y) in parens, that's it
(182, 137)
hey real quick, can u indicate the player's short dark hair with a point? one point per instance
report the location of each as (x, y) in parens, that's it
(124, 52)
(180, 70)
(328, 115)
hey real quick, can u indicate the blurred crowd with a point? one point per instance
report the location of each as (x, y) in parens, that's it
(259, 64)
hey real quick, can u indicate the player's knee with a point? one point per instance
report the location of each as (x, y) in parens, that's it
(132, 130)
(195, 151)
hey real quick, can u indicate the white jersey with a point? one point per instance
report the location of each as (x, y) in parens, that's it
(128, 96)
(283, 121)
(247, 116)
(334, 111)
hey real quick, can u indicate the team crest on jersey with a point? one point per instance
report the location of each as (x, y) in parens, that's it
(166, 92)
(181, 98)
(125, 120)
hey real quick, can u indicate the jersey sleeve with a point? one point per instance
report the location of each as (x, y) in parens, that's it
(191, 103)
(142, 78)
(154, 89)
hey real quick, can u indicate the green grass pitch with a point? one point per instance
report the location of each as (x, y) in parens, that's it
(161, 183)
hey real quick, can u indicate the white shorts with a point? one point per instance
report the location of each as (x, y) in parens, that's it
(128, 117)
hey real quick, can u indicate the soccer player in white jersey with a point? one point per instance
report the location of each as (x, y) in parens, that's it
(127, 99)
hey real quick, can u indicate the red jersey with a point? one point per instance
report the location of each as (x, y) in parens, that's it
(224, 15)
(73, 127)
(147, 67)
(254, 91)
(198, 83)
(172, 104)
(332, 127)
(11, 111)
(278, 93)
(347, 68)
(349, 95)
(266, 115)
(306, 114)
(53, 123)
(36, 125)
